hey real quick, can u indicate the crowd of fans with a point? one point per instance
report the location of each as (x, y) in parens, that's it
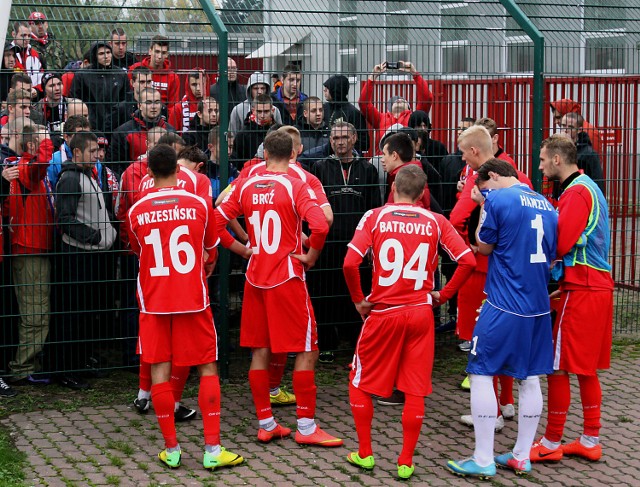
(66, 257)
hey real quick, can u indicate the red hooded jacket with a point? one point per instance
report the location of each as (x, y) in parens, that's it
(164, 80)
(380, 121)
(30, 208)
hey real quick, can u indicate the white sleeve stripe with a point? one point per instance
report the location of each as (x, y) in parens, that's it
(219, 208)
(356, 249)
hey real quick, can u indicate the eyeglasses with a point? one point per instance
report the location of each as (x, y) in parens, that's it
(38, 22)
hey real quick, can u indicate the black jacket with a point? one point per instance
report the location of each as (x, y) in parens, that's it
(588, 160)
(312, 138)
(247, 142)
(197, 134)
(350, 196)
(450, 168)
(124, 63)
(237, 94)
(340, 109)
(100, 88)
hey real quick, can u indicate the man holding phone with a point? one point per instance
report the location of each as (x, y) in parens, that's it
(399, 109)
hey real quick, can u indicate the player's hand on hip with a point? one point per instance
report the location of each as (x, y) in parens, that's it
(364, 307)
(308, 260)
(435, 295)
(555, 294)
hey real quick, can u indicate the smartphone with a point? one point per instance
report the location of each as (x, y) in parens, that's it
(392, 65)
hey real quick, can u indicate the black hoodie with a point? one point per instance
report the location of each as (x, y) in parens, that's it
(100, 87)
(340, 109)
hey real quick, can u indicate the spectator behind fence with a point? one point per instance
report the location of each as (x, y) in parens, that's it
(7, 70)
(31, 219)
(559, 108)
(101, 86)
(289, 97)
(398, 109)
(351, 185)
(141, 78)
(429, 149)
(72, 68)
(339, 109)
(313, 129)
(165, 80)
(72, 125)
(254, 130)
(258, 85)
(237, 91)
(49, 49)
(27, 58)
(53, 106)
(498, 151)
(129, 139)
(121, 57)
(18, 106)
(588, 160)
(206, 118)
(87, 236)
(182, 113)
(212, 169)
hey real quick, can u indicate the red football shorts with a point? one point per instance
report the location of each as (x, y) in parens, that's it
(395, 347)
(181, 338)
(279, 318)
(470, 297)
(582, 332)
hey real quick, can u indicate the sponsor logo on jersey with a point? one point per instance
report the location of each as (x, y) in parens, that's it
(168, 201)
(406, 214)
(264, 185)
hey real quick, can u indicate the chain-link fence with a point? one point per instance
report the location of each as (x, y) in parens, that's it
(141, 71)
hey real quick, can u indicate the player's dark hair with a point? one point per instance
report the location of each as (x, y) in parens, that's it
(82, 140)
(193, 154)
(274, 127)
(162, 161)
(410, 181)
(488, 123)
(498, 166)
(171, 138)
(75, 122)
(279, 146)
(401, 144)
(561, 145)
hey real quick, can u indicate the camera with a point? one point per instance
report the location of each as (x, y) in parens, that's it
(396, 65)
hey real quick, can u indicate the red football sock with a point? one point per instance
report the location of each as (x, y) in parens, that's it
(259, 382)
(558, 401)
(506, 389)
(362, 410)
(144, 376)
(209, 402)
(412, 416)
(304, 387)
(162, 398)
(591, 396)
(179, 376)
(276, 369)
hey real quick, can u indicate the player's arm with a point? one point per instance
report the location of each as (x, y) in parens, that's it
(133, 240)
(222, 215)
(351, 270)
(462, 210)
(459, 252)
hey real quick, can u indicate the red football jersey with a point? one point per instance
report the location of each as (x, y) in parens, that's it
(193, 182)
(296, 171)
(169, 229)
(274, 205)
(404, 239)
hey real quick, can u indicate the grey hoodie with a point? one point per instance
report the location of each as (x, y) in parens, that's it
(240, 111)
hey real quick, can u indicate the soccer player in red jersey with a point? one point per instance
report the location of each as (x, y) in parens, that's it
(277, 395)
(277, 316)
(174, 235)
(397, 339)
(583, 326)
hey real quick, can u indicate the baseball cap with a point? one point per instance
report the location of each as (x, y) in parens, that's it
(37, 16)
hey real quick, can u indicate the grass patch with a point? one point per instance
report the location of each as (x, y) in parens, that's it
(12, 461)
(120, 446)
(113, 480)
(115, 461)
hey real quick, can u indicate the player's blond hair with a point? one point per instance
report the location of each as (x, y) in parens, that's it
(295, 136)
(476, 136)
